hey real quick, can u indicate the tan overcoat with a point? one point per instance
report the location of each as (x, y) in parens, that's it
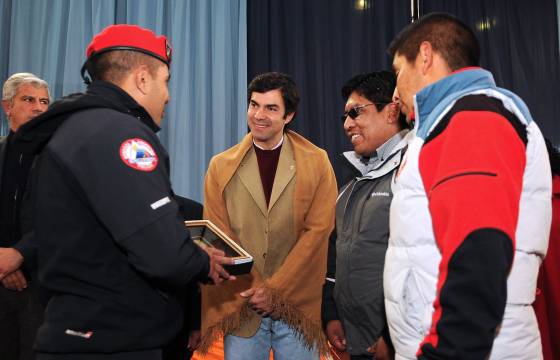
(288, 239)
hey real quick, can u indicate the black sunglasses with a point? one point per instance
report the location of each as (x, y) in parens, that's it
(355, 111)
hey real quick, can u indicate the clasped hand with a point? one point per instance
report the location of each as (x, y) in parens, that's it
(259, 299)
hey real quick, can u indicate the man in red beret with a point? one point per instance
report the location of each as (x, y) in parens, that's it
(110, 241)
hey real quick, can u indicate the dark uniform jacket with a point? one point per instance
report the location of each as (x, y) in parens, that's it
(110, 240)
(14, 170)
(189, 295)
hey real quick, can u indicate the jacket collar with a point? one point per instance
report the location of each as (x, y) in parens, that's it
(116, 95)
(285, 171)
(431, 101)
(389, 148)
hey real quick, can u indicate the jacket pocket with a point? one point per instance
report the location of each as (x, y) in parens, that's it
(466, 173)
(414, 305)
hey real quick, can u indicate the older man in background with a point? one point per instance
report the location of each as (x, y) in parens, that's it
(24, 96)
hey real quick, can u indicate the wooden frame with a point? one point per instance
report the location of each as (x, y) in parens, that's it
(204, 232)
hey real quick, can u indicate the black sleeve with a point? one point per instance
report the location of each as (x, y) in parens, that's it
(26, 244)
(328, 306)
(476, 279)
(192, 306)
(131, 195)
(191, 210)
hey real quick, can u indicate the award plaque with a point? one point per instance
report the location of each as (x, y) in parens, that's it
(205, 232)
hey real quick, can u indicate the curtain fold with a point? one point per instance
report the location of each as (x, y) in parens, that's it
(205, 114)
(520, 45)
(322, 43)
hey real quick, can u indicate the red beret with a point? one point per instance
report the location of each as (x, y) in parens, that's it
(130, 37)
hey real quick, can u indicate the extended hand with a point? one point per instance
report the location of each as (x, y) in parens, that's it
(217, 260)
(259, 299)
(335, 335)
(15, 281)
(10, 261)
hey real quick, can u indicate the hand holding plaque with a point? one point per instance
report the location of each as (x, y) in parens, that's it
(218, 261)
(206, 234)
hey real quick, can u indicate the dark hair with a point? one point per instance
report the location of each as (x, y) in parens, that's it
(451, 38)
(272, 81)
(113, 66)
(377, 87)
(554, 157)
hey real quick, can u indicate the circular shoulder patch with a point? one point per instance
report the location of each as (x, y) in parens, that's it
(138, 154)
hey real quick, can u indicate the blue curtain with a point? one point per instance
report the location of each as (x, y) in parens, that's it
(206, 113)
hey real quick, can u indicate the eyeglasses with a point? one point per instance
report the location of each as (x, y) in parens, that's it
(356, 111)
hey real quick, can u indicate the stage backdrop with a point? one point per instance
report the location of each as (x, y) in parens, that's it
(323, 43)
(320, 43)
(206, 113)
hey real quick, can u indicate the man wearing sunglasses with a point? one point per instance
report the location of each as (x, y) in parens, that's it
(353, 311)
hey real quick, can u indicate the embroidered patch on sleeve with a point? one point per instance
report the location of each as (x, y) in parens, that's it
(138, 154)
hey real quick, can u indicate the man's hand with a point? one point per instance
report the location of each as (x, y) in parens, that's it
(259, 300)
(10, 261)
(15, 281)
(217, 258)
(380, 350)
(194, 340)
(335, 335)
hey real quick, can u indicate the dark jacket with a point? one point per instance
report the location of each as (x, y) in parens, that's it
(110, 240)
(14, 171)
(188, 296)
(353, 291)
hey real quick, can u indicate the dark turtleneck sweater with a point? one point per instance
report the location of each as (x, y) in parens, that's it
(268, 162)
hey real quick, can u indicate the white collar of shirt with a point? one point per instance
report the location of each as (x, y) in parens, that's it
(274, 148)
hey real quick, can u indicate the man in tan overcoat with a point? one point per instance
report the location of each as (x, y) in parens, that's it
(274, 193)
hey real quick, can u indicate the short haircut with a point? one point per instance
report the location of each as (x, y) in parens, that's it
(11, 86)
(451, 38)
(276, 81)
(114, 66)
(377, 87)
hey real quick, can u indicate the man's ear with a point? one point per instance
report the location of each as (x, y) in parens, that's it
(289, 118)
(7, 106)
(393, 112)
(426, 55)
(142, 79)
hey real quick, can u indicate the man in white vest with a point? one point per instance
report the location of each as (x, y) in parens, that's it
(471, 210)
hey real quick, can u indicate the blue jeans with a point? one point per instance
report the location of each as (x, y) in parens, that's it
(272, 334)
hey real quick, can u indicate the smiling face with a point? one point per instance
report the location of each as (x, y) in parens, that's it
(266, 119)
(28, 102)
(371, 128)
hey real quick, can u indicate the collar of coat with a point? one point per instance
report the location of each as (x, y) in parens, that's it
(432, 102)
